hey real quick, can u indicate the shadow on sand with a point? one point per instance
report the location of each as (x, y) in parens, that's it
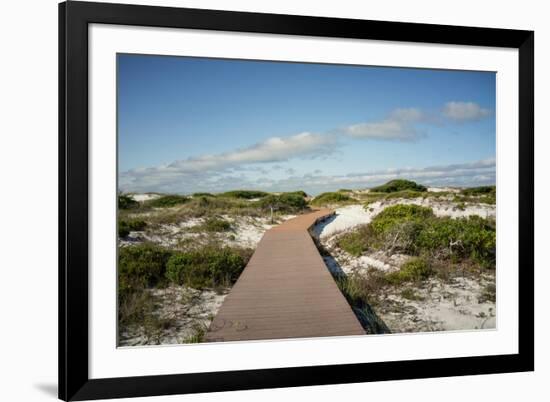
(364, 312)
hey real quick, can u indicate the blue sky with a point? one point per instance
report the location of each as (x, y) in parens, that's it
(196, 124)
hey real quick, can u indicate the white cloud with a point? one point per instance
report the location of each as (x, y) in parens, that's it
(463, 174)
(464, 111)
(242, 167)
(275, 149)
(399, 125)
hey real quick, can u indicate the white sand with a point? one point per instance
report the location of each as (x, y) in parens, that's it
(344, 219)
(187, 309)
(445, 307)
(443, 189)
(165, 235)
(245, 232)
(144, 197)
(248, 231)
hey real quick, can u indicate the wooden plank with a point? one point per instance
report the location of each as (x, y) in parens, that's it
(285, 291)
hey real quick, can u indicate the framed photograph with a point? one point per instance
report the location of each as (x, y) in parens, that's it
(257, 200)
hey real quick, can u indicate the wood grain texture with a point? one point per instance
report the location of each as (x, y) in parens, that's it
(285, 291)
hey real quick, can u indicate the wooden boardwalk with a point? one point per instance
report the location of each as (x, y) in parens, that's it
(285, 291)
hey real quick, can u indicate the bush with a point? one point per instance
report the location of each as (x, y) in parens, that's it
(399, 214)
(414, 230)
(125, 227)
(127, 202)
(415, 269)
(285, 202)
(214, 224)
(246, 194)
(394, 229)
(408, 194)
(482, 190)
(483, 195)
(473, 237)
(301, 193)
(203, 195)
(355, 242)
(330, 198)
(141, 266)
(207, 267)
(167, 201)
(399, 185)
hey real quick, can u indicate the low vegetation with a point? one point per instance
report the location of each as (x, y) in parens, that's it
(167, 201)
(483, 195)
(285, 202)
(141, 266)
(301, 193)
(245, 194)
(203, 195)
(479, 190)
(145, 266)
(399, 185)
(127, 202)
(209, 267)
(414, 270)
(213, 225)
(435, 242)
(359, 292)
(127, 226)
(330, 198)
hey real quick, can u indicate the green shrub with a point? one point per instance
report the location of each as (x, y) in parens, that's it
(141, 266)
(345, 190)
(330, 198)
(399, 214)
(127, 202)
(285, 202)
(214, 224)
(207, 267)
(399, 185)
(479, 190)
(394, 229)
(415, 230)
(167, 201)
(355, 242)
(301, 193)
(246, 194)
(127, 226)
(407, 194)
(415, 269)
(482, 195)
(472, 237)
(203, 195)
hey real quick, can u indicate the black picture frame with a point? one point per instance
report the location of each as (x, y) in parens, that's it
(74, 381)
